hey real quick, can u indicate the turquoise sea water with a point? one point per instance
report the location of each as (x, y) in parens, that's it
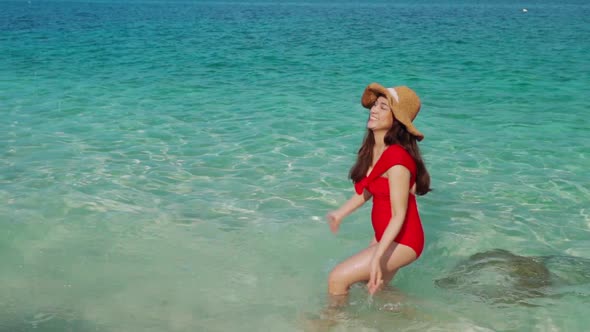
(166, 166)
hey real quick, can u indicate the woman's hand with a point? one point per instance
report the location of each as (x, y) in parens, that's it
(376, 276)
(334, 220)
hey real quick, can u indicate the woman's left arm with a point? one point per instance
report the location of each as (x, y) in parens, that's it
(399, 184)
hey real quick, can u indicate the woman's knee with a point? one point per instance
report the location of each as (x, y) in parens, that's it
(337, 282)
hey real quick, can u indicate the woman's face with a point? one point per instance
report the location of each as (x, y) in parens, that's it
(380, 115)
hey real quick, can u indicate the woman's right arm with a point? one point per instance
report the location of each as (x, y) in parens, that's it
(335, 217)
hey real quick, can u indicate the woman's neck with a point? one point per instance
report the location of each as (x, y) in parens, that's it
(379, 137)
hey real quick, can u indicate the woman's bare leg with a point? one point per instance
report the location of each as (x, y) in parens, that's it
(357, 267)
(402, 256)
(350, 271)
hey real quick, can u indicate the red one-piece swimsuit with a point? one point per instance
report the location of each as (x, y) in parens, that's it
(411, 234)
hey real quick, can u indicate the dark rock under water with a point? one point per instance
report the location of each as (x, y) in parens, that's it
(499, 276)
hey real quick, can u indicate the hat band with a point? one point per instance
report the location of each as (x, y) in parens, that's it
(393, 93)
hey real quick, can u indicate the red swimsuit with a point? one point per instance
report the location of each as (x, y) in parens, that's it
(411, 234)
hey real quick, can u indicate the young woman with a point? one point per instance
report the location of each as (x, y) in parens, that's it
(389, 169)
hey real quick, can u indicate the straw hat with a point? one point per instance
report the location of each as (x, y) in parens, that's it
(404, 102)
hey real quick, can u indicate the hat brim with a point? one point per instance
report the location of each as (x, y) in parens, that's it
(372, 93)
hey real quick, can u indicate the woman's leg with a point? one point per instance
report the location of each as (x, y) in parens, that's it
(357, 267)
(350, 271)
(402, 255)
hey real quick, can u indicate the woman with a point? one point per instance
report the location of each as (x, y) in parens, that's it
(389, 169)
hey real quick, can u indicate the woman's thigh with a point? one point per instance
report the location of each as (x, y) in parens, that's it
(355, 268)
(399, 255)
(358, 267)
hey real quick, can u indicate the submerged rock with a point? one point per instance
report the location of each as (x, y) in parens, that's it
(500, 276)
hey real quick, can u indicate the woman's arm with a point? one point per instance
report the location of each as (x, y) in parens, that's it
(335, 217)
(353, 203)
(399, 182)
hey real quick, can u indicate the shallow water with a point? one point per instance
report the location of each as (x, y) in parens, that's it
(167, 165)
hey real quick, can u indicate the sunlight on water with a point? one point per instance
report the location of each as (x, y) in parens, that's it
(167, 166)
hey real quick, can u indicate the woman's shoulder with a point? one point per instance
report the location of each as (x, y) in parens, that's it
(399, 154)
(396, 149)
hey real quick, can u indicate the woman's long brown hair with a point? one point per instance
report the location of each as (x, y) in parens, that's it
(397, 134)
